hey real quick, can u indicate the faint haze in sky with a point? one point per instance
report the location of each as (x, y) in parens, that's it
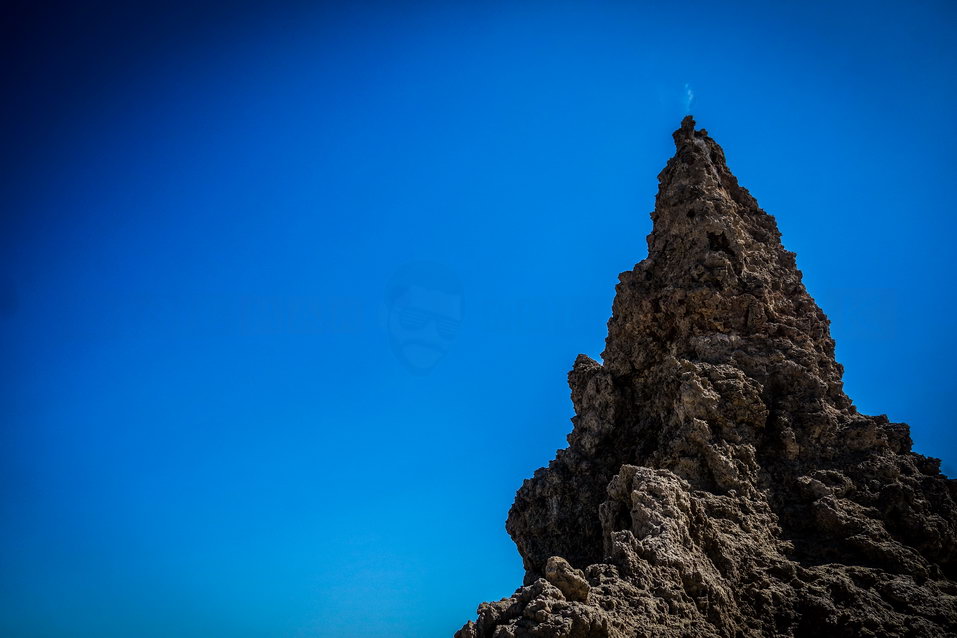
(230, 408)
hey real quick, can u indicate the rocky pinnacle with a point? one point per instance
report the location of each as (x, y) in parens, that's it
(718, 481)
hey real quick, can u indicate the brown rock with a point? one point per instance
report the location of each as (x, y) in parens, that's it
(569, 580)
(718, 481)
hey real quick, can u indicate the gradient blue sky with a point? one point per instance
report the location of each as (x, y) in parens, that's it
(205, 431)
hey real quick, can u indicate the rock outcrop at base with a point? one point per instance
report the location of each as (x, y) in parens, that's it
(718, 481)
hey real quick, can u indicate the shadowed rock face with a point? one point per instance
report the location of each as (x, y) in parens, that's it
(718, 481)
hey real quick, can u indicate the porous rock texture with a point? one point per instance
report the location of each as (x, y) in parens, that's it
(718, 481)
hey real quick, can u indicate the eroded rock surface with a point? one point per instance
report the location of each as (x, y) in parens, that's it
(718, 481)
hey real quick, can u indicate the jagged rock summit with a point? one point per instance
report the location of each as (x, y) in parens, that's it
(718, 481)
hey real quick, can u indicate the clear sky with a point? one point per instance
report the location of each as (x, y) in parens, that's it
(217, 420)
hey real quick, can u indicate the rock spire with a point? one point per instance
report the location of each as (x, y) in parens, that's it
(718, 481)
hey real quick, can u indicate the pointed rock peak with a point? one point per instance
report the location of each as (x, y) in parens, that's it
(686, 131)
(717, 278)
(686, 134)
(700, 161)
(714, 448)
(700, 210)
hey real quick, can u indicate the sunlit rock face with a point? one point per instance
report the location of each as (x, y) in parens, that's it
(718, 481)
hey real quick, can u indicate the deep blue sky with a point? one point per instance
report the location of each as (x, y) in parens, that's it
(206, 430)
